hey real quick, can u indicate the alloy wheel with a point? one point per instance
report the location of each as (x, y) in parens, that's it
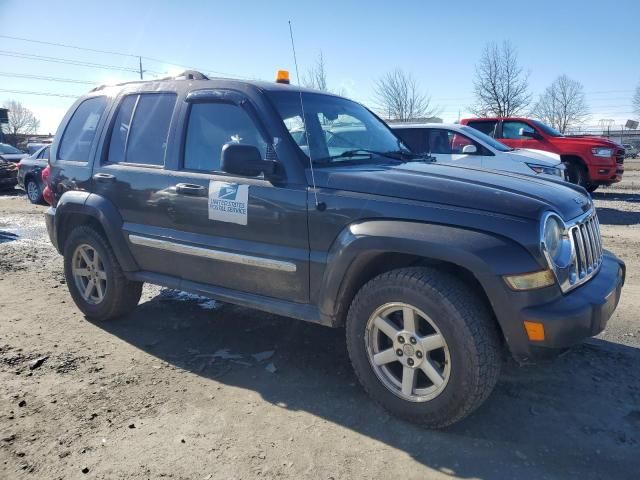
(89, 274)
(408, 352)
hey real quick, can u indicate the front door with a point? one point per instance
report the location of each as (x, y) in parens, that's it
(448, 147)
(245, 234)
(511, 130)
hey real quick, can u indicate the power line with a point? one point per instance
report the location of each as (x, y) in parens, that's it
(130, 55)
(66, 61)
(45, 78)
(95, 50)
(45, 94)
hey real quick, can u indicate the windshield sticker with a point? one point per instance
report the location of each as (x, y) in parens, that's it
(228, 202)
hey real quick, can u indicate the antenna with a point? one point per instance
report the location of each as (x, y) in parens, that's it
(304, 122)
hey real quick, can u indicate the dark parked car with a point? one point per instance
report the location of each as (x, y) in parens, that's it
(11, 153)
(29, 174)
(432, 269)
(8, 174)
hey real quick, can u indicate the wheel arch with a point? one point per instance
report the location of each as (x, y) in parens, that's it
(77, 208)
(366, 250)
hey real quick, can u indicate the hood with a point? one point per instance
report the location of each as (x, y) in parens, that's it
(491, 191)
(14, 157)
(587, 141)
(540, 157)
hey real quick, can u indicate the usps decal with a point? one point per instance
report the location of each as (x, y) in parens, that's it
(228, 202)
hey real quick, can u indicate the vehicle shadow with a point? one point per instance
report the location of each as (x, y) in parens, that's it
(7, 236)
(614, 216)
(616, 196)
(578, 416)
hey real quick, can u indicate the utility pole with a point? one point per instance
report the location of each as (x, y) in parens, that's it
(140, 64)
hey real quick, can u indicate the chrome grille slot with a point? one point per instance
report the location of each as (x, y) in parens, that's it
(587, 245)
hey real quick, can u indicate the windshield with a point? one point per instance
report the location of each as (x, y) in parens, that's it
(337, 129)
(483, 137)
(8, 149)
(547, 129)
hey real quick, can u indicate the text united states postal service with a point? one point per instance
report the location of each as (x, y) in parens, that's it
(228, 202)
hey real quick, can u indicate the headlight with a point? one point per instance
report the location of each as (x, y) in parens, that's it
(602, 152)
(555, 241)
(558, 172)
(553, 236)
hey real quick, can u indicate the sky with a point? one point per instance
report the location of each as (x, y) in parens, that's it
(438, 42)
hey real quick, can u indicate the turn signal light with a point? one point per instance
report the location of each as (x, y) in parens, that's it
(282, 77)
(535, 331)
(530, 281)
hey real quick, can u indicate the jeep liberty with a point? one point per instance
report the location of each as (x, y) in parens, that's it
(246, 192)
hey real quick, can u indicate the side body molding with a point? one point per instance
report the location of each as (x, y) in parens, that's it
(75, 202)
(485, 255)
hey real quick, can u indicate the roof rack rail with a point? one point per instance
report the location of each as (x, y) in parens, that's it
(186, 75)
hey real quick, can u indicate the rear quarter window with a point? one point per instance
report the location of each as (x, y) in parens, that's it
(80, 132)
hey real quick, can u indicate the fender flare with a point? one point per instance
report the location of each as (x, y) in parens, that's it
(486, 256)
(76, 202)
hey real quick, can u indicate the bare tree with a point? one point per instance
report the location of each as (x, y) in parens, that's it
(22, 121)
(398, 97)
(636, 101)
(500, 87)
(316, 76)
(562, 105)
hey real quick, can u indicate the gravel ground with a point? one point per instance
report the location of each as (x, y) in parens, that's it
(187, 388)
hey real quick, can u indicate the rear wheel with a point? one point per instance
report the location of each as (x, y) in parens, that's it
(423, 345)
(94, 277)
(34, 192)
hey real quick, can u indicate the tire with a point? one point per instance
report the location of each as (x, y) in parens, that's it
(591, 187)
(576, 173)
(118, 295)
(34, 192)
(471, 342)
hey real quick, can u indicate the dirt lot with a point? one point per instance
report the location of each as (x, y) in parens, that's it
(175, 391)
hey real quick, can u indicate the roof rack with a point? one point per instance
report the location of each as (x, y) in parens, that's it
(186, 75)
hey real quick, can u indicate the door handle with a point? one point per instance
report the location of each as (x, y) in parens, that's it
(189, 189)
(103, 177)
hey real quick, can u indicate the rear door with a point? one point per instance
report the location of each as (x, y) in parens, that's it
(131, 174)
(242, 233)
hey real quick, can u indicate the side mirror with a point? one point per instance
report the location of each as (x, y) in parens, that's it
(245, 160)
(528, 133)
(469, 149)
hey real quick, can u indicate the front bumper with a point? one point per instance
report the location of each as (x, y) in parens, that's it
(581, 313)
(8, 182)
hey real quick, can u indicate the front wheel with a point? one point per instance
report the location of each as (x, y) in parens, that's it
(94, 277)
(423, 346)
(34, 192)
(577, 174)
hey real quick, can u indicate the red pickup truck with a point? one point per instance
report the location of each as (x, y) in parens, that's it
(590, 161)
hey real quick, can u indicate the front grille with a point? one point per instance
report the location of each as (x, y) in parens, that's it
(587, 245)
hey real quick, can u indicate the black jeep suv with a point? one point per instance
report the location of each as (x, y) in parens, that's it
(305, 204)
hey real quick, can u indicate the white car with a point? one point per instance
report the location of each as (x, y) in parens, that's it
(462, 145)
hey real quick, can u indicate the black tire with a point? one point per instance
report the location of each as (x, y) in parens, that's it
(591, 187)
(464, 321)
(576, 173)
(120, 296)
(34, 192)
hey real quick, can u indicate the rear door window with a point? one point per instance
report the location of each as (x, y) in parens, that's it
(141, 129)
(487, 127)
(414, 138)
(80, 132)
